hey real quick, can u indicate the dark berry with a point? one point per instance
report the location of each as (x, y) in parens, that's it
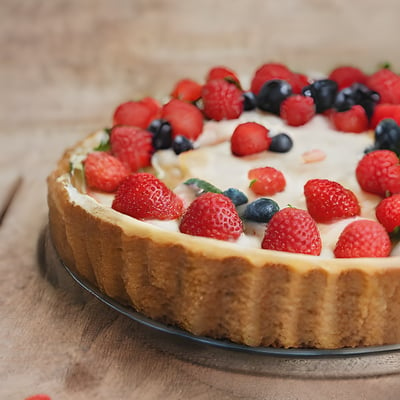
(238, 198)
(387, 136)
(181, 144)
(323, 92)
(249, 101)
(162, 134)
(281, 143)
(261, 210)
(272, 94)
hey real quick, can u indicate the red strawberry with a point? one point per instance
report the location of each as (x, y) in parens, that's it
(345, 76)
(250, 138)
(294, 231)
(266, 181)
(136, 113)
(103, 171)
(132, 145)
(298, 82)
(388, 212)
(383, 111)
(379, 172)
(354, 120)
(221, 72)
(268, 72)
(387, 84)
(363, 238)
(212, 215)
(185, 118)
(144, 196)
(328, 201)
(187, 90)
(297, 110)
(222, 100)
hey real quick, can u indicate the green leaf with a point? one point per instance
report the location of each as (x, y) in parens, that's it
(202, 186)
(105, 142)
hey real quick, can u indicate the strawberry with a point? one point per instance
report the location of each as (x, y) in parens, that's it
(346, 75)
(185, 118)
(222, 100)
(212, 215)
(297, 110)
(187, 90)
(132, 145)
(363, 238)
(328, 201)
(143, 196)
(298, 81)
(388, 212)
(250, 138)
(38, 397)
(266, 181)
(136, 113)
(103, 171)
(294, 231)
(221, 72)
(354, 120)
(384, 111)
(387, 84)
(379, 172)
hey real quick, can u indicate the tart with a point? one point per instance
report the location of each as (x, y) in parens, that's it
(234, 289)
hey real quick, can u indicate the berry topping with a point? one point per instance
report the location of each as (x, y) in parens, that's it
(222, 100)
(187, 90)
(136, 113)
(238, 198)
(363, 238)
(328, 201)
(387, 136)
(387, 84)
(388, 213)
(268, 72)
(281, 143)
(212, 215)
(132, 145)
(345, 76)
(249, 101)
(297, 110)
(354, 120)
(144, 196)
(38, 397)
(162, 134)
(379, 172)
(383, 111)
(221, 72)
(272, 94)
(185, 118)
(261, 210)
(294, 231)
(323, 92)
(249, 138)
(181, 144)
(266, 181)
(104, 172)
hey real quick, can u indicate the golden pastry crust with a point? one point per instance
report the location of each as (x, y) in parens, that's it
(218, 289)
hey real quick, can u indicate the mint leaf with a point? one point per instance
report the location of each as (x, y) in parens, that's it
(105, 143)
(202, 186)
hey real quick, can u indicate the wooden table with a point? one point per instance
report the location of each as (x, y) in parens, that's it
(64, 66)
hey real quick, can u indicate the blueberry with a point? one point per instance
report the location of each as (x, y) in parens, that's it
(249, 101)
(238, 198)
(387, 135)
(323, 92)
(162, 134)
(281, 143)
(261, 210)
(181, 144)
(272, 94)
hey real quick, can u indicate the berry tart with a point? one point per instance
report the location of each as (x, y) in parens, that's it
(262, 212)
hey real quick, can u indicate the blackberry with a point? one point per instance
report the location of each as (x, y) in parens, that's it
(181, 144)
(261, 210)
(238, 198)
(281, 143)
(272, 94)
(162, 134)
(323, 92)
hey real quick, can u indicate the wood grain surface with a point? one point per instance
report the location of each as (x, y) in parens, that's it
(65, 65)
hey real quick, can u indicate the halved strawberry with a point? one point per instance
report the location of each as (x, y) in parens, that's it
(270, 71)
(250, 138)
(221, 72)
(346, 75)
(136, 113)
(266, 181)
(187, 90)
(354, 120)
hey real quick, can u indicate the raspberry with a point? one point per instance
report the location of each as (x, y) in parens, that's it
(266, 181)
(250, 138)
(212, 215)
(103, 171)
(222, 100)
(221, 72)
(328, 201)
(270, 71)
(297, 110)
(132, 145)
(185, 118)
(144, 196)
(136, 113)
(345, 76)
(187, 90)
(388, 212)
(384, 111)
(354, 120)
(387, 84)
(294, 231)
(363, 238)
(379, 172)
